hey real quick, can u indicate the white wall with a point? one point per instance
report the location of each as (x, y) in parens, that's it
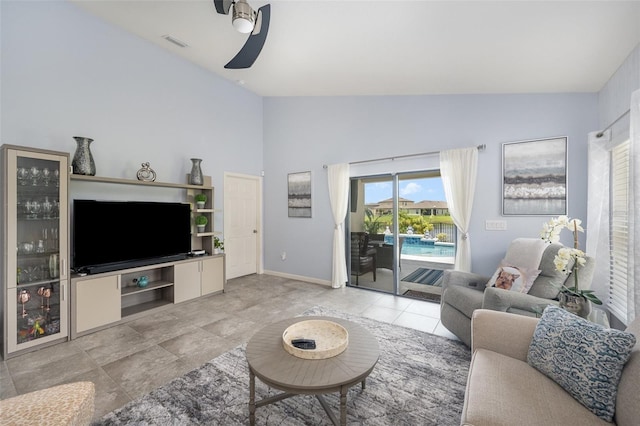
(67, 73)
(304, 133)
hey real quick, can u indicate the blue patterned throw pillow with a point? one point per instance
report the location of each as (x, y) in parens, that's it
(584, 358)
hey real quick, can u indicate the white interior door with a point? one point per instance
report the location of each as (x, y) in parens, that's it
(242, 224)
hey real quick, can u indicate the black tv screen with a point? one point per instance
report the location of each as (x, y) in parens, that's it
(111, 235)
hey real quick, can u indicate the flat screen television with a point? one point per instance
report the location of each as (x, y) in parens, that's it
(112, 235)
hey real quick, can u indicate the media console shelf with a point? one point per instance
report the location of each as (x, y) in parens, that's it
(122, 181)
(102, 300)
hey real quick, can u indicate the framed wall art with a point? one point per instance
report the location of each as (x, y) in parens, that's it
(299, 194)
(534, 177)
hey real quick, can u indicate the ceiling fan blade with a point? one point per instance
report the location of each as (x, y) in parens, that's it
(251, 49)
(223, 6)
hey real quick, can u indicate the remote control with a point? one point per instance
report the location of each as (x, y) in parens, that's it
(304, 343)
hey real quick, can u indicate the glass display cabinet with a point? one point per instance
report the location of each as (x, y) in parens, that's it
(35, 259)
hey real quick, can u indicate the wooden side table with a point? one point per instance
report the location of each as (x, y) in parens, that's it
(278, 369)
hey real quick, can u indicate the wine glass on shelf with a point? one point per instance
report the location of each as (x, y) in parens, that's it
(34, 208)
(23, 297)
(47, 208)
(46, 176)
(35, 174)
(47, 295)
(23, 175)
(41, 294)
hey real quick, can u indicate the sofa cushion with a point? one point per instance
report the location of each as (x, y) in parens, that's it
(513, 278)
(627, 407)
(550, 281)
(506, 391)
(584, 358)
(464, 299)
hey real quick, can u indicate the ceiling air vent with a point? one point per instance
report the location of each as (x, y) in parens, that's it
(175, 41)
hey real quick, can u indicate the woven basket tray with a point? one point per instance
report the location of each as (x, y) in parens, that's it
(331, 339)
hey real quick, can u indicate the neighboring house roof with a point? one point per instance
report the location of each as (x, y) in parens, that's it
(426, 204)
(408, 204)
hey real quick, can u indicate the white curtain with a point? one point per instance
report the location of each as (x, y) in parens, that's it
(598, 180)
(598, 206)
(339, 198)
(633, 307)
(458, 168)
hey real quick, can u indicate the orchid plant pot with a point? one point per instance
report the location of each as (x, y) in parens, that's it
(575, 304)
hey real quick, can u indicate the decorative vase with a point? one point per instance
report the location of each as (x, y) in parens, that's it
(575, 304)
(83, 163)
(200, 228)
(54, 272)
(143, 281)
(195, 178)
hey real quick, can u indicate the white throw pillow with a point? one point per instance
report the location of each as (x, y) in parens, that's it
(513, 278)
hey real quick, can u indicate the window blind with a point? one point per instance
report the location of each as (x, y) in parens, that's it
(620, 187)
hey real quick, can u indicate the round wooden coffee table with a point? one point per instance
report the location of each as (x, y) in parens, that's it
(278, 369)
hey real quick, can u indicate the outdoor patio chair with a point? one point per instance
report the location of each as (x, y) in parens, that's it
(384, 258)
(363, 257)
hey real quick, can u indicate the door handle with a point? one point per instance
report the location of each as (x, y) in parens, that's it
(255, 231)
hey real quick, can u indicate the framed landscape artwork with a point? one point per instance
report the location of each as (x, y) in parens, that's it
(534, 177)
(299, 194)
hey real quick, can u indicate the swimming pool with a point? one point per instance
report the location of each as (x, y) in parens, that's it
(419, 246)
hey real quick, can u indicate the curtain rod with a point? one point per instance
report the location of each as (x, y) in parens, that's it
(480, 148)
(601, 132)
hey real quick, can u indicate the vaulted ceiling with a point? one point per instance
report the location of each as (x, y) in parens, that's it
(395, 47)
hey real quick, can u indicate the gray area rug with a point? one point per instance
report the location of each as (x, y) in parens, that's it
(419, 380)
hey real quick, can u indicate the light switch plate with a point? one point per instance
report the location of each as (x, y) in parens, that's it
(495, 225)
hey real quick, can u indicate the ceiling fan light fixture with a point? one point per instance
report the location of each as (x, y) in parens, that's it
(243, 17)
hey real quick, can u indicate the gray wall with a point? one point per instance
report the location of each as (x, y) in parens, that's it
(67, 73)
(305, 133)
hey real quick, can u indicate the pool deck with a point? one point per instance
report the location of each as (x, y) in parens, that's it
(409, 263)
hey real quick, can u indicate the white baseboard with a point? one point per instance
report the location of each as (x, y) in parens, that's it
(299, 278)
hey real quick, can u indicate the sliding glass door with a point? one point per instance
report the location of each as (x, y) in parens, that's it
(401, 236)
(371, 229)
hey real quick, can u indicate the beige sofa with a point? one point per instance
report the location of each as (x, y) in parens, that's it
(502, 389)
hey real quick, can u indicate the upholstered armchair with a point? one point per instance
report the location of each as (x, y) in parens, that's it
(464, 292)
(363, 257)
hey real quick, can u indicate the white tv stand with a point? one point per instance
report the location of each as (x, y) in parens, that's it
(102, 300)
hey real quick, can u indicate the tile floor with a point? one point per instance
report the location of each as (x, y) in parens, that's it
(130, 359)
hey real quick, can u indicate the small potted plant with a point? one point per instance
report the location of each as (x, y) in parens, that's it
(201, 222)
(218, 245)
(200, 200)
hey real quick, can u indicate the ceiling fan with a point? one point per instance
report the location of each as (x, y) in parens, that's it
(246, 20)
